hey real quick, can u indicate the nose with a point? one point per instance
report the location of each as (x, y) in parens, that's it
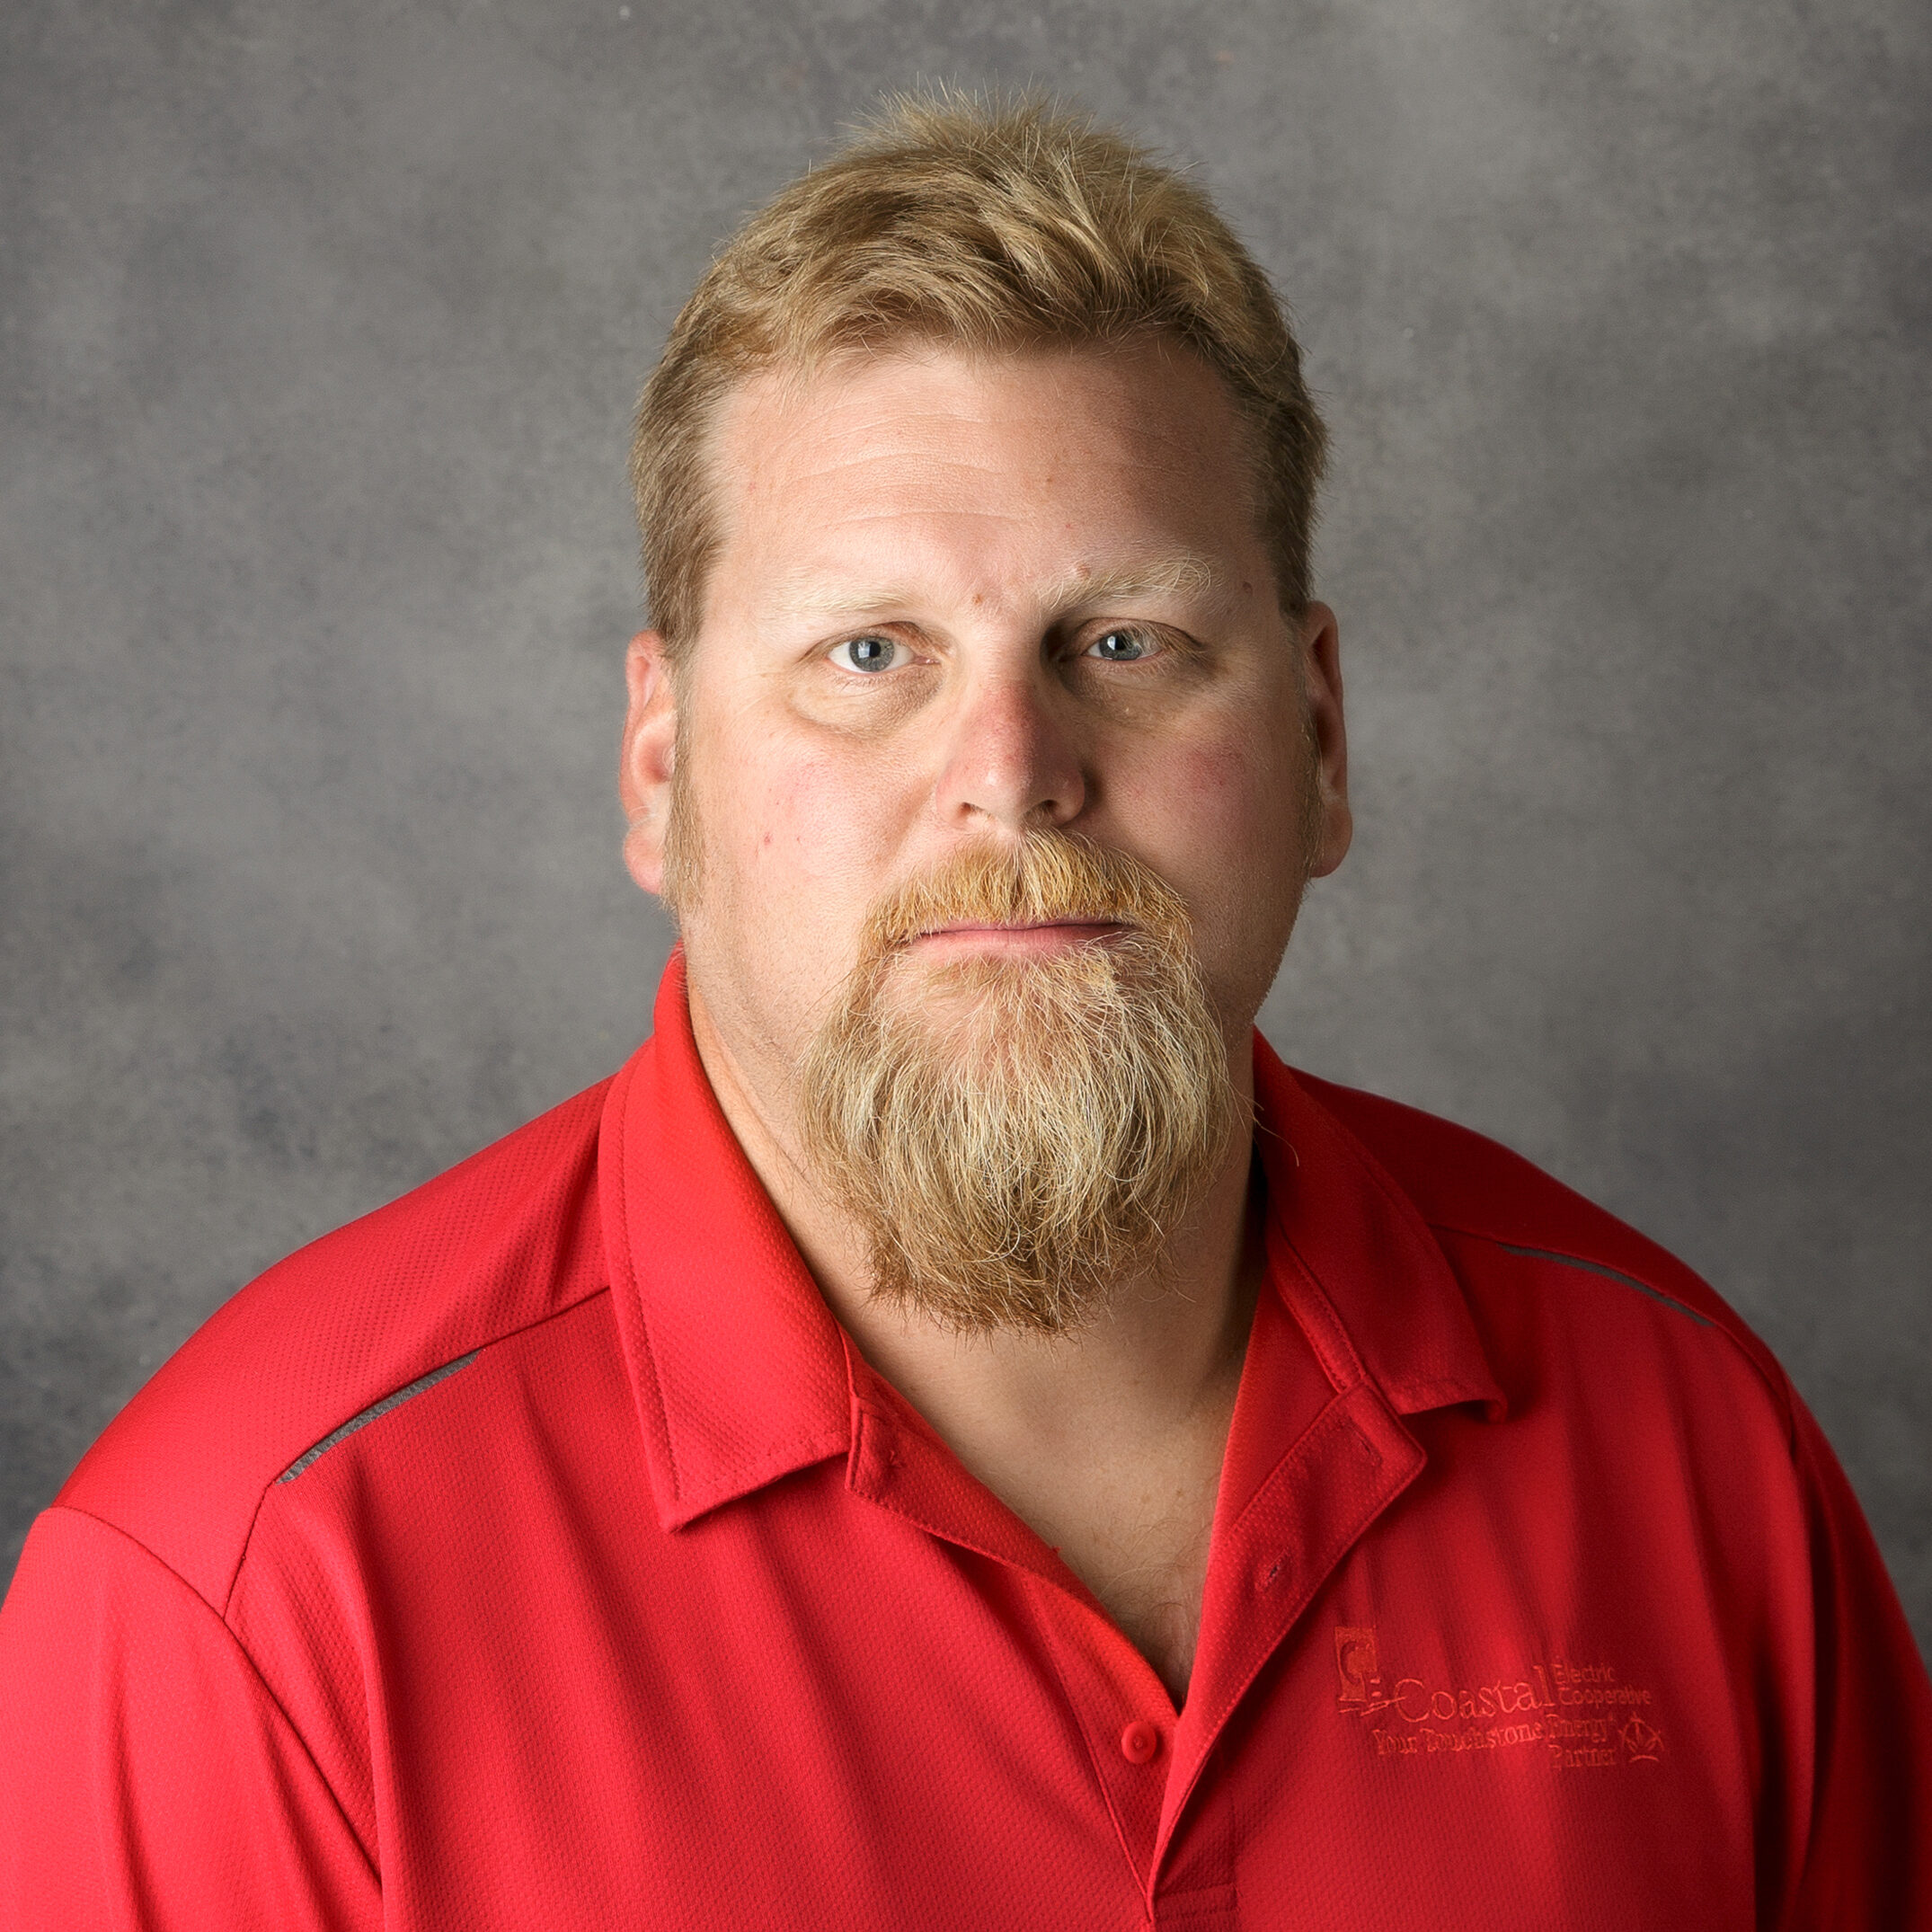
(1011, 763)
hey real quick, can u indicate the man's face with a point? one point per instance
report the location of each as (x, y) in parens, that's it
(957, 599)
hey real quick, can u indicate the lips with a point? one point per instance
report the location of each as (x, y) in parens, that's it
(994, 928)
(1043, 938)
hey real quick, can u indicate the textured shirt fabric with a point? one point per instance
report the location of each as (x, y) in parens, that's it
(538, 1553)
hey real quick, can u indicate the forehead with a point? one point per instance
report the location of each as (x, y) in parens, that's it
(981, 468)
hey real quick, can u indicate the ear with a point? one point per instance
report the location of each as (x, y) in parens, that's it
(645, 761)
(1321, 671)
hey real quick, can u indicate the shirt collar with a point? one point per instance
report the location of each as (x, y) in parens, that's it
(1398, 1310)
(737, 1365)
(740, 1373)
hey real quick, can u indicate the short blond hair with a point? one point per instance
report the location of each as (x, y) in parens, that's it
(986, 225)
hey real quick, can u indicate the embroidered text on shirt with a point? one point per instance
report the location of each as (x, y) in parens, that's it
(1584, 1716)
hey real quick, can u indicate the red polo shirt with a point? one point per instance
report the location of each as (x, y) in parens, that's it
(538, 1553)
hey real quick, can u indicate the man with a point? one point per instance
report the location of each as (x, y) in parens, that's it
(954, 1433)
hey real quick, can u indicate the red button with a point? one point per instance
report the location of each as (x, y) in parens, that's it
(1139, 1743)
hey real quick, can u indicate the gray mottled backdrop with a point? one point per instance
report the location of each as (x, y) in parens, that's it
(319, 326)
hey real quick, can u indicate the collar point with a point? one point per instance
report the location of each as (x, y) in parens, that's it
(1417, 1396)
(695, 1497)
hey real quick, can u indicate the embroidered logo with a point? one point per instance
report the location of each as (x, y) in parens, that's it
(1355, 1660)
(1581, 1717)
(1641, 1744)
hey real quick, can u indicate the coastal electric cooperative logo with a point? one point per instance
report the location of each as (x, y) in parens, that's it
(1582, 1716)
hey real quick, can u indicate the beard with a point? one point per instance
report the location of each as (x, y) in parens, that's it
(1016, 1137)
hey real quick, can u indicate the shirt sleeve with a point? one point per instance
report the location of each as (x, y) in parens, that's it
(1867, 1860)
(149, 1780)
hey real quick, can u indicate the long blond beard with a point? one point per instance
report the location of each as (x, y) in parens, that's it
(1017, 1137)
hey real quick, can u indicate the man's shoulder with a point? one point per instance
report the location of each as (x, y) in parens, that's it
(501, 1242)
(1479, 1196)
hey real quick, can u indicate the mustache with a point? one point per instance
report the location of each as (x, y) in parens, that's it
(1045, 878)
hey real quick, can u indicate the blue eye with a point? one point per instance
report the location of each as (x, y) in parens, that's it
(1121, 647)
(865, 655)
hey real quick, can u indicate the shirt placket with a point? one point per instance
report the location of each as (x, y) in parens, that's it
(1347, 1467)
(1125, 1716)
(1276, 1543)
(1267, 1561)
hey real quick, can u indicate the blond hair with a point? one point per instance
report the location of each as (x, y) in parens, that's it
(989, 227)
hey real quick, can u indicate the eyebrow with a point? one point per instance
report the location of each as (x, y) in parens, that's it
(1180, 573)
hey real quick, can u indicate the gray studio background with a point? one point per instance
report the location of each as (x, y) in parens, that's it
(319, 328)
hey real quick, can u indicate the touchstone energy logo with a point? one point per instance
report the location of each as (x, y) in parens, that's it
(1576, 1716)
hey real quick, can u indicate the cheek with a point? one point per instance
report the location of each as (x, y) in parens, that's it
(1233, 807)
(1222, 819)
(776, 925)
(801, 839)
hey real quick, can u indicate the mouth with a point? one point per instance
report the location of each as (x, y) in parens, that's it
(1032, 939)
